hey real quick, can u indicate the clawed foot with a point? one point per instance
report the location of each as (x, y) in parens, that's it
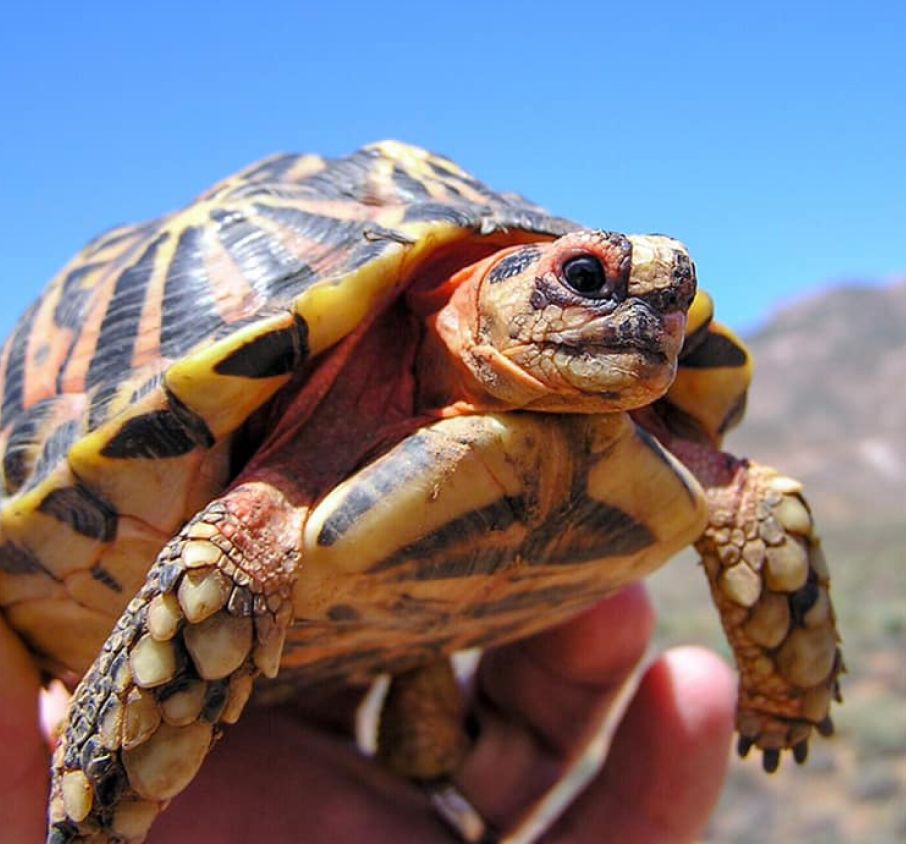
(178, 666)
(770, 582)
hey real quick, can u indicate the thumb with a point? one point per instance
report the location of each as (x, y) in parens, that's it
(23, 750)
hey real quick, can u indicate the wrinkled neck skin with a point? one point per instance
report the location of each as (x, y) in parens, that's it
(454, 370)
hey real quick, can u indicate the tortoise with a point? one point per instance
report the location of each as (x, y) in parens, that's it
(344, 417)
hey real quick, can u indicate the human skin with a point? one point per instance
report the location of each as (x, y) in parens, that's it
(291, 773)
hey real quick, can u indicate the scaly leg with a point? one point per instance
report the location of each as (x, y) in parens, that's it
(422, 737)
(421, 734)
(770, 582)
(178, 665)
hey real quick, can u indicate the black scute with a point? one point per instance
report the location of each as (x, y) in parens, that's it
(430, 212)
(407, 186)
(14, 375)
(85, 512)
(272, 169)
(714, 351)
(261, 258)
(344, 178)
(99, 404)
(171, 432)
(23, 445)
(323, 230)
(274, 353)
(56, 447)
(189, 311)
(119, 328)
(72, 308)
(14, 559)
(118, 235)
(153, 435)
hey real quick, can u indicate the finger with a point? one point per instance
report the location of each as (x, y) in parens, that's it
(331, 710)
(667, 763)
(275, 779)
(52, 703)
(540, 699)
(24, 759)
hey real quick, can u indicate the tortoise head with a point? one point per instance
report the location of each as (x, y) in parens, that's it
(592, 322)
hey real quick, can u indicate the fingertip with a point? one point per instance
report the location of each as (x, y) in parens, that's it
(704, 690)
(668, 759)
(674, 741)
(53, 701)
(683, 715)
(540, 699)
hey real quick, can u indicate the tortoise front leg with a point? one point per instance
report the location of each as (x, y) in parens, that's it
(178, 665)
(770, 582)
(476, 531)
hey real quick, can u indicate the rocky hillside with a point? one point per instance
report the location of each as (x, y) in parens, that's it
(828, 404)
(828, 407)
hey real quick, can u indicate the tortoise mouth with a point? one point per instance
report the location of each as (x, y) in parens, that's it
(651, 351)
(635, 329)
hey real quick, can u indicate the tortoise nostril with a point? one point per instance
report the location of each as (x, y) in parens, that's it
(684, 282)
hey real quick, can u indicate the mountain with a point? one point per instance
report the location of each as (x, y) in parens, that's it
(827, 406)
(827, 403)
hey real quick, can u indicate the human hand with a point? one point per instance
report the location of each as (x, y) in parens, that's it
(278, 777)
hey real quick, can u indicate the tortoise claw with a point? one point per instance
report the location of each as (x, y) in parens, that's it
(800, 752)
(770, 759)
(62, 832)
(837, 691)
(459, 815)
(744, 745)
(826, 727)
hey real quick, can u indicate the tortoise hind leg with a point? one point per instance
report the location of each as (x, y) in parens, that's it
(770, 582)
(178, 665)
(421, 734)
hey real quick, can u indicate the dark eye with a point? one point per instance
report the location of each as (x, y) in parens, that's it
(586, 276)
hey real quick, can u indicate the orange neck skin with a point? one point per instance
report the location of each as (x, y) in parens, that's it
(452, 351)
(393, 374)
(354, 401)
(712, 467)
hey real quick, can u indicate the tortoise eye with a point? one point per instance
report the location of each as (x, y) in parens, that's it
(586, 276)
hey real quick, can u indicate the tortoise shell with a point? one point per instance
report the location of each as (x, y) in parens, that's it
(126, 385)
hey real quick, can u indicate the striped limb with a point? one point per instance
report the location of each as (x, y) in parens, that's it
(770, 582)
(178, 665)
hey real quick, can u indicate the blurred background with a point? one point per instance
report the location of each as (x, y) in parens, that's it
(768, 137)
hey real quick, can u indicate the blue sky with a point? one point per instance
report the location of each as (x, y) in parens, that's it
(768, 136)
